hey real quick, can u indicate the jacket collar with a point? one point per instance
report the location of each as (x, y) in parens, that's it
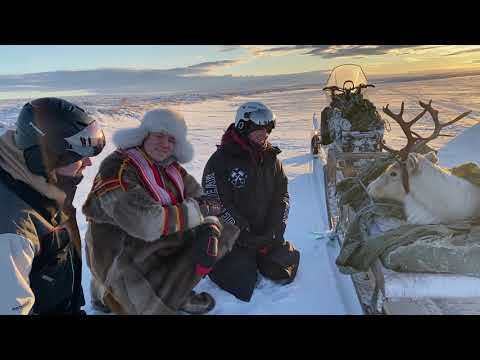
(236, 143)
(12, 161)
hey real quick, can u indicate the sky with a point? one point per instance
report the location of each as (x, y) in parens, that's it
(91, 69)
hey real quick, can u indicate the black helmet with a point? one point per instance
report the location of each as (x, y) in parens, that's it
(54, 132)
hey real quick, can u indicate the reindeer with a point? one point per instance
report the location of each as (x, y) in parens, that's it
(430, 193)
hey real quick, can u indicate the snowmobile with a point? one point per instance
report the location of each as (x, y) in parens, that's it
(350, 116)
(349, 124)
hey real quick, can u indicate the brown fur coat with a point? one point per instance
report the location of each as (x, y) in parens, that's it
(139, 251)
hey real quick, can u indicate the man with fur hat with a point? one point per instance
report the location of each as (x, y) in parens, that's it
(152, 235)
(41, 164)
(248, 178)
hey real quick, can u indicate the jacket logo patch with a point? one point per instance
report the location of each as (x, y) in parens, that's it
(238, 178)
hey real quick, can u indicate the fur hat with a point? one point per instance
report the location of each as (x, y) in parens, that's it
(158, 120)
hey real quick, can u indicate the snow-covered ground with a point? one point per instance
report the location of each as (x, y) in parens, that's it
(319, 288)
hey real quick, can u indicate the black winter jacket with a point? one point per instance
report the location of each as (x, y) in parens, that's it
(252, 186)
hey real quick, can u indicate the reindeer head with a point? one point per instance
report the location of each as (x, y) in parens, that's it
(394, 183)
(390, 185)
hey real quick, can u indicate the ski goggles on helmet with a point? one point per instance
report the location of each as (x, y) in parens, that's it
(261, 119)
(88, 142)
(268, 127)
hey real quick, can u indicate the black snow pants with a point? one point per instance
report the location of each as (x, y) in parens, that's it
(236, 273)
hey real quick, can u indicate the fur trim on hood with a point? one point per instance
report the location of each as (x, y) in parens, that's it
(158, 120)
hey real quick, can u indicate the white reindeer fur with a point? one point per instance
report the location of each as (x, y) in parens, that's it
(436, 196)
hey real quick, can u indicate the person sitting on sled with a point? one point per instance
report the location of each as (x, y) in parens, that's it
(247, 176)
(152, 235)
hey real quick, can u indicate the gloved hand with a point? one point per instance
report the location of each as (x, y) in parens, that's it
(207, 245)
(209, 206)
(275, 240)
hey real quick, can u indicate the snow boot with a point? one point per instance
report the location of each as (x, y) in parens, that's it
(198, 303)
(99, 306)
(280, 264)
(236, 273)
(97, 292)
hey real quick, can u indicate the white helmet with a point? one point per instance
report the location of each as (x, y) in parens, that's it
(252, 115)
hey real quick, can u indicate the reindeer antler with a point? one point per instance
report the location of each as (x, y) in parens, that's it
(406, 128)
(438, 126)
(415, 141)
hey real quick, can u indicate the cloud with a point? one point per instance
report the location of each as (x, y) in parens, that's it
(257, 51)
(206, 67)
(194, 70)
(125, 82)
(328, 52)
(276, 50)
(337, 51)
(265, 50)
(228, 48)
(194, 78)
(468, 51)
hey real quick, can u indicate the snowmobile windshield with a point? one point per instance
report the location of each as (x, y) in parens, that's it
(345, 77)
